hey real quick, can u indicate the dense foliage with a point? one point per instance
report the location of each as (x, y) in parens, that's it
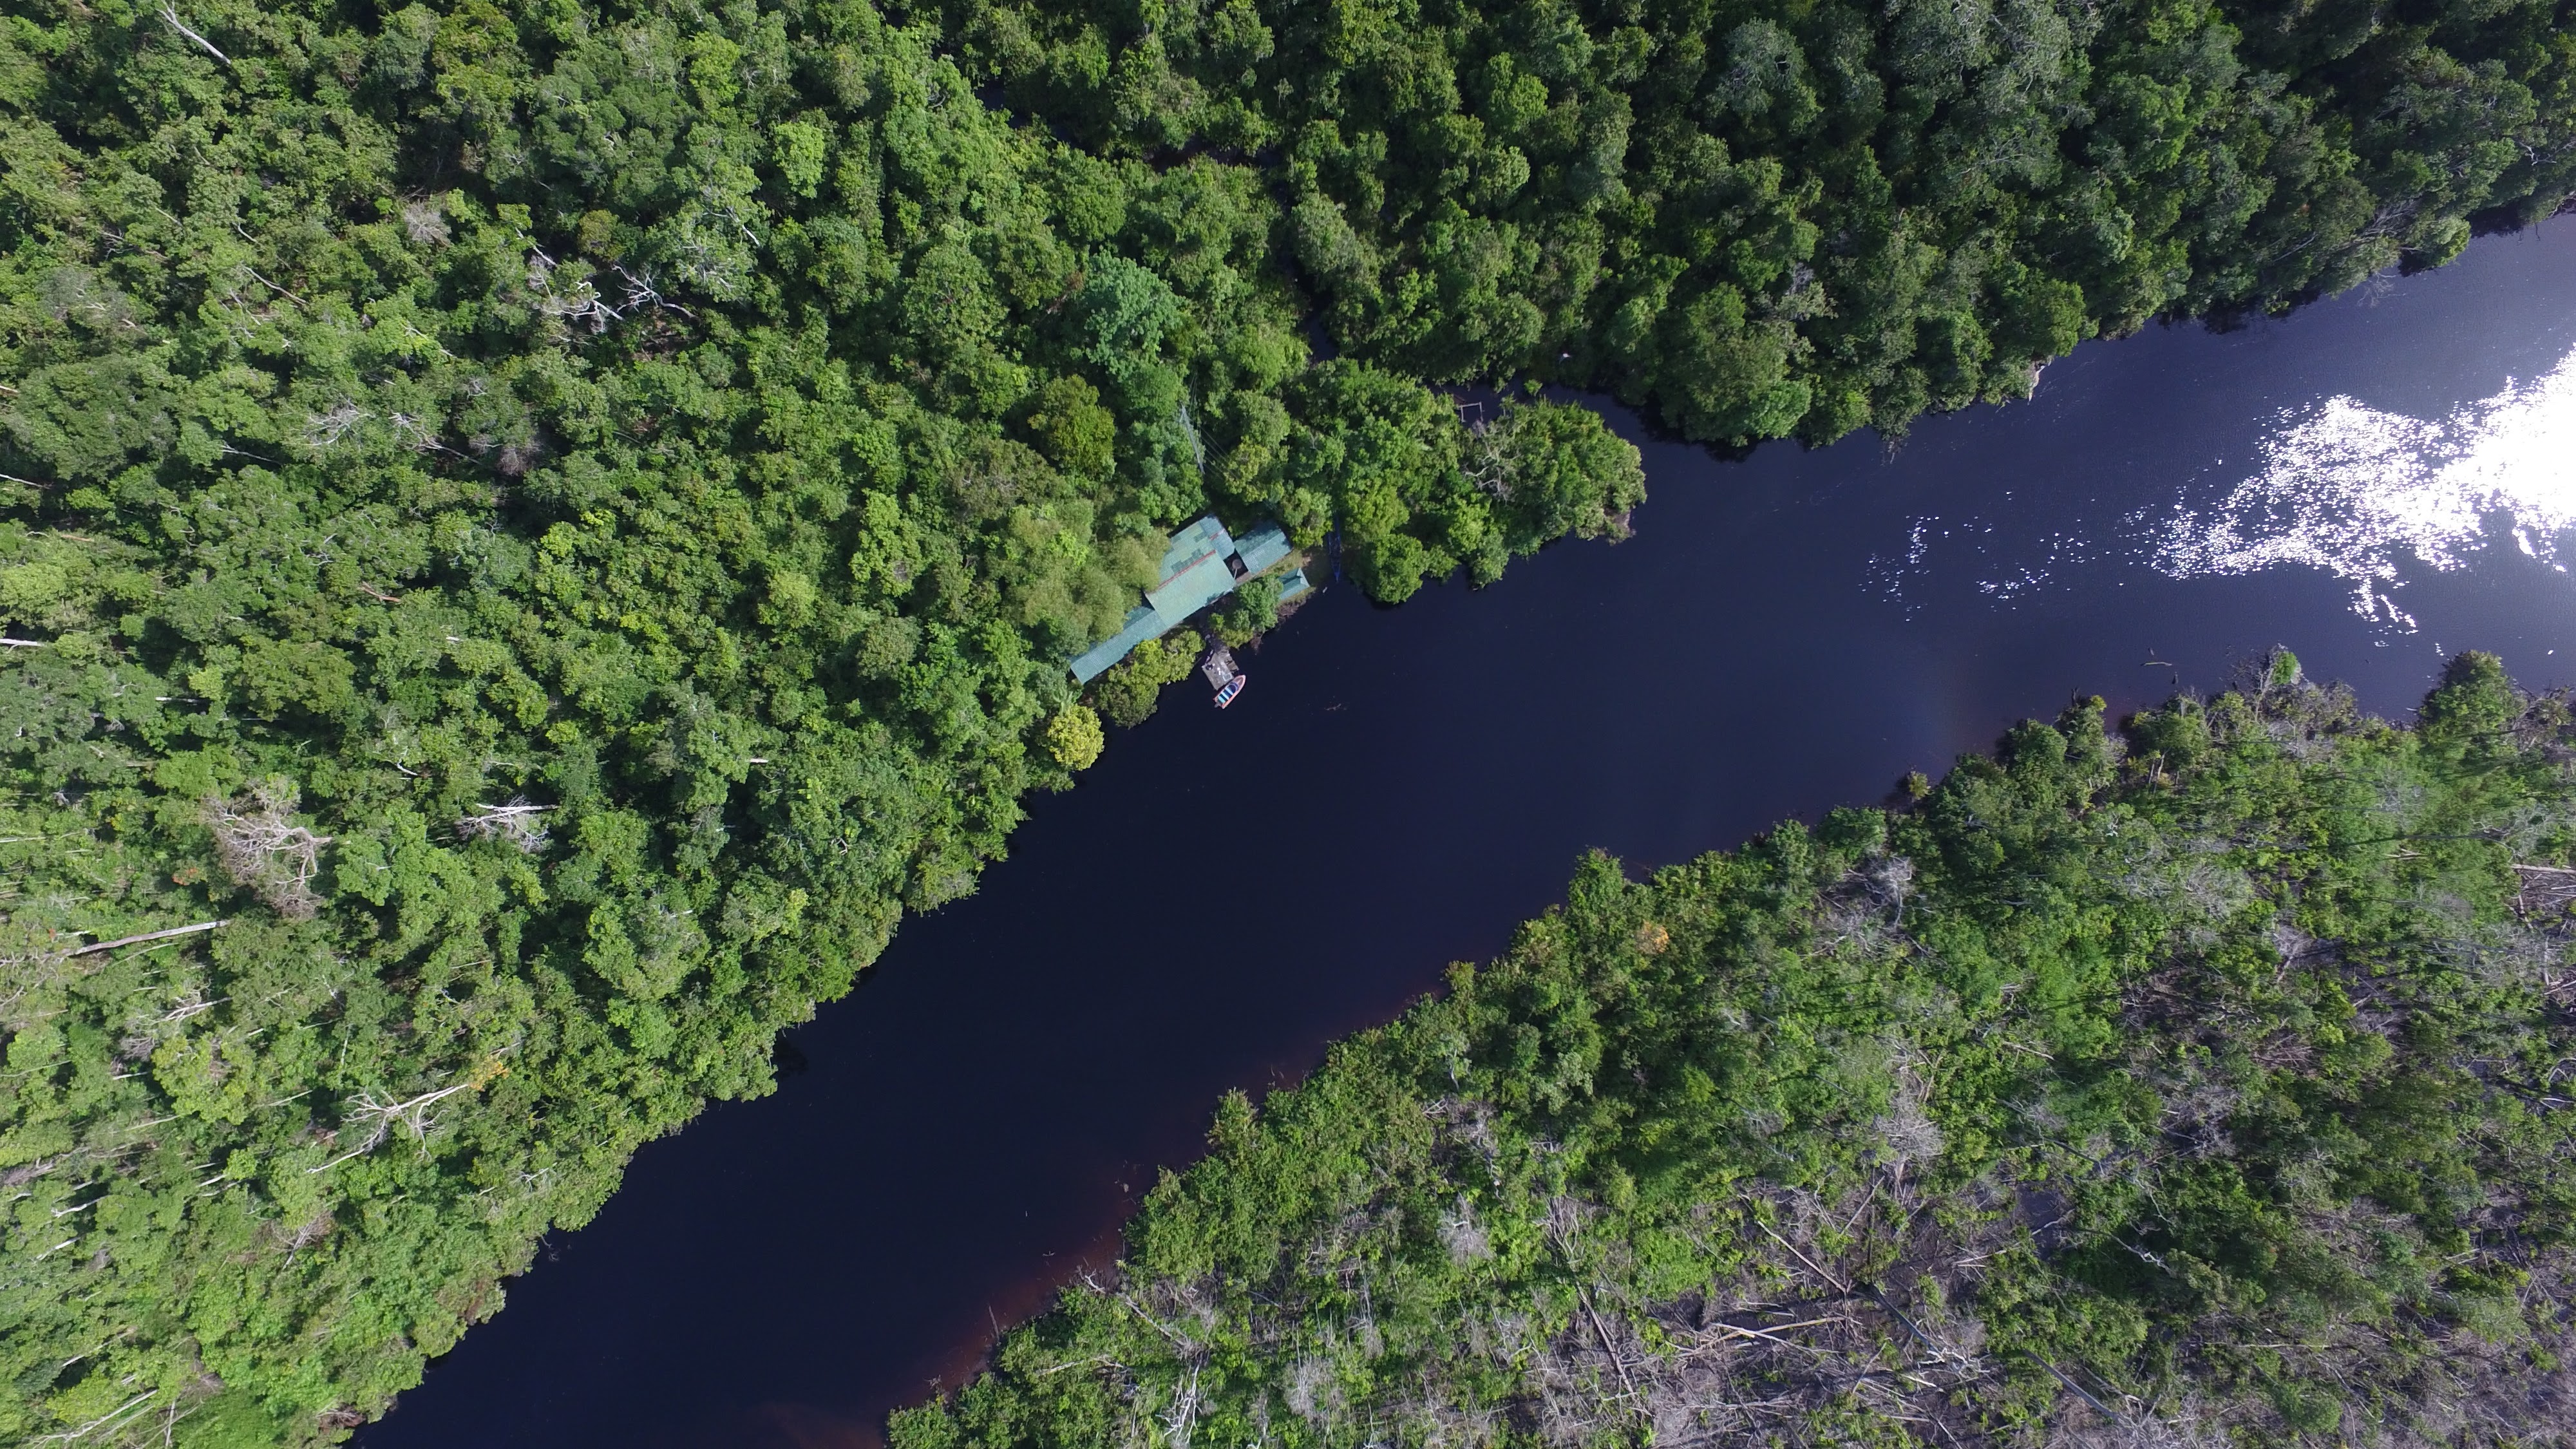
(556, 525)
(2201, 1085)
(1764, 217)
(529, 535)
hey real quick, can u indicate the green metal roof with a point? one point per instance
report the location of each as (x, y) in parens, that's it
(1266, 546)
(1142, 624)
(1200, 540)
(1192, 589)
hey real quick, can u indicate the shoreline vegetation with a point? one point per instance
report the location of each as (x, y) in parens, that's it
(2201, 1082)
(530, 536)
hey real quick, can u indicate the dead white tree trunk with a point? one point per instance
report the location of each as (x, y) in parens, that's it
(150, 936)
(74, 1436)
(170, 15)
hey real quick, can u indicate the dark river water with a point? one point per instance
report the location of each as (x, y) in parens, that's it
(2375, 482)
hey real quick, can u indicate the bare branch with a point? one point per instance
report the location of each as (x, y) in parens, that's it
(515, 822)
(412, 1116)
(264, 850)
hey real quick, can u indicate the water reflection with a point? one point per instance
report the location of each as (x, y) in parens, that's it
(2355, 491)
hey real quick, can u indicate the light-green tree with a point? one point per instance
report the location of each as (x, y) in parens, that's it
(1074, 737)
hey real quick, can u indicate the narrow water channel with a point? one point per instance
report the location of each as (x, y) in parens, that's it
(2375, 482)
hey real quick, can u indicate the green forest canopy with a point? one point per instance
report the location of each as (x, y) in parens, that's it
(2203, 1084)
(557, 524)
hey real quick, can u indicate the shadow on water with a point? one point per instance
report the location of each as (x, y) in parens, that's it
(1396, 788)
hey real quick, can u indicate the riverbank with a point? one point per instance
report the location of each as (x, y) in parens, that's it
(2130, 1081)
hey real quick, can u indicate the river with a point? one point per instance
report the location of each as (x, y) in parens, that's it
(2375, 481)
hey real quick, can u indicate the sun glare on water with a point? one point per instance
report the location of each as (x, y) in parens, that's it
(2353, 490)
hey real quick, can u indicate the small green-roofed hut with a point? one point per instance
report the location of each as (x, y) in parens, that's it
(1265, 547)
